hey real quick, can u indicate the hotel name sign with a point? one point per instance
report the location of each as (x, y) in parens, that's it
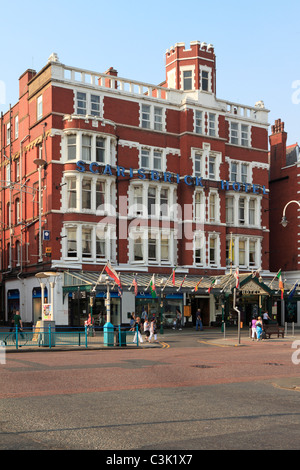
(164, 176)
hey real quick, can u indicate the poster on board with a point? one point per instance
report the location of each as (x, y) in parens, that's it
(47, 312)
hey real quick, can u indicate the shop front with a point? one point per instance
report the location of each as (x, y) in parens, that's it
(164, 308)
(81, 303)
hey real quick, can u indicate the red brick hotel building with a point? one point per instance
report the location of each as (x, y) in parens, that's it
(98, 168)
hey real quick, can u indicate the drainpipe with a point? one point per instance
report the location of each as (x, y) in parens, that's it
(21, 206)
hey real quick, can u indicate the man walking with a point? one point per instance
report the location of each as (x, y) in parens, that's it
(17, 321)
(199, 320)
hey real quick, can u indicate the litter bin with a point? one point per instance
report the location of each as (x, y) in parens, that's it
(108, 331)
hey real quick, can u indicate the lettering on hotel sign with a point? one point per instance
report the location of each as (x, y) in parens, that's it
(165, 177)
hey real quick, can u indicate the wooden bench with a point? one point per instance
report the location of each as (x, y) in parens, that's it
(274, 330)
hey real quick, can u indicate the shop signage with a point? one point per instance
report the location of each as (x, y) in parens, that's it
(165, 177)
(253, 289)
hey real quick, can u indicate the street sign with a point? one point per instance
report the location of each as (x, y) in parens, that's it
(48, 251)
(46, 235)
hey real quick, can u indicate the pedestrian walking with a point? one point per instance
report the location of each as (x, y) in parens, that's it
(138, 331)
(17, 321)
(147, 329)
(199, 323)
(253, 328)
(144, 315)
(89, 323)
(259, 327)
(132, 322)
(266, 318)
(153, 331)
(178, 319)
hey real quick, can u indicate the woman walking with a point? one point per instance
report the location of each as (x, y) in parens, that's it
(258, 325)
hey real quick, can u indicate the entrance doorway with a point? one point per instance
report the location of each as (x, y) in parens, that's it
(203, 304)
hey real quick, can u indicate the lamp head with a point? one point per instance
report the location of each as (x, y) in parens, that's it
(284, 221)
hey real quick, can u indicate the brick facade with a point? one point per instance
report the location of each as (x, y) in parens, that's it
(176, 143)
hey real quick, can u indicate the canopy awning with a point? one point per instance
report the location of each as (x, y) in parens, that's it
(193, 284)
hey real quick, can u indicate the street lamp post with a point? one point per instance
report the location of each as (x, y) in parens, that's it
(162, 282)
(40, 163)
(284, 220)
(284, 223)
(108, 327)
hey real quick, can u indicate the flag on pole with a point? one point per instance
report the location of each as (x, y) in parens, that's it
(211, 286)
(173, 277)
(134, 282)
(152, 287)
(181, 283)
(231, 251)
(278, 275)
(293, 290)
(281, 285)
(112, 273)
(120, 291)
(237, 277)
(197, 285)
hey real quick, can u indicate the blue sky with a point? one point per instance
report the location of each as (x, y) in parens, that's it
(256, 44)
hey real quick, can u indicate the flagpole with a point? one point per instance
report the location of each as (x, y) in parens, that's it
(129, 288)
(181, 283)
(98, 280)
(230, 249)
(152, 277)
(274, 278)
(198, 284)
(293, 286)
(228, 281)
(168, 279)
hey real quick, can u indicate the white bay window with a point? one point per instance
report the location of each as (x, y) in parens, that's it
(149, 246)
(89, 243)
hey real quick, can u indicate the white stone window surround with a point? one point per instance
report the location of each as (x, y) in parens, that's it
(187, 68)
(216, 237)
(109, 190)
(239, 163)
(151, 117)
(217, 208)
(110, 146)
(205, 153)
(88, 94)
(239, 133)
(257, 208)
(145, 232)
(199, 204)
(162, 151)
(199, 243)
(134, 211)
(236, 248)
(39, 107)
(110, 241)
(205, 68)
(205, 122)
